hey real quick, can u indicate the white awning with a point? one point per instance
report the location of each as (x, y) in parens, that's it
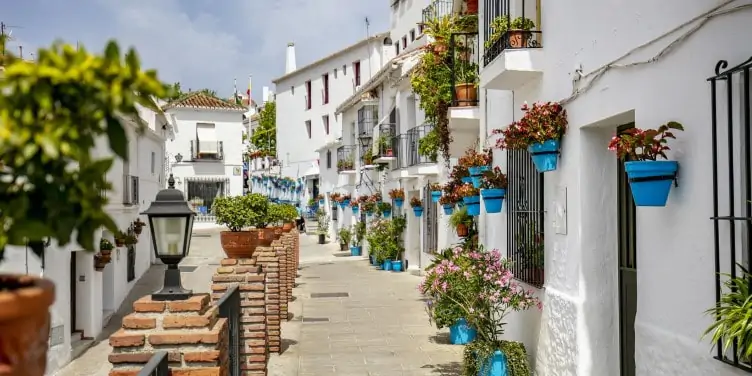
(207, 139)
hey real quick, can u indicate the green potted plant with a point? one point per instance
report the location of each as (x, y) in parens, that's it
(385, 208)
(130, 240)
(322, 228)
(359, 231)
(466, 86)
(385, 147)
(275, 215)
(232, 213)
(119, 238)
(257, 208)
(517, 30)
(138, 226)
(428, 145)
(367, 156)
(417, 205)
(460, 221)
(289, 215)
(104, 256)
(345, 236)
(732, 323)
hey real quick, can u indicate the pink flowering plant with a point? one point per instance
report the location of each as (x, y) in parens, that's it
(443, 285)
(541, 122)
(637, 144)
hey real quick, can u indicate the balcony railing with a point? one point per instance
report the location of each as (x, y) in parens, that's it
(414, 135)
(386, 144)
(400, 152)
(464, 56)
(207, 151)
(368, 116)
(437, 9)
(130, 190)
(520, 31)
(345, 158)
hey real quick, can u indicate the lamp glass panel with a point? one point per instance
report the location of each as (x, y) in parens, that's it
(169, 235)
(189, 234)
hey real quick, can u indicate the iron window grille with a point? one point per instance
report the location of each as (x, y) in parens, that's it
(436, 10)
(387, 141)
(731, 150)
(367, 117)
(399, 144)
(511, 39)
(414, 135)
(130, 190)
(525, 242)
(463, 55)
(346, 158)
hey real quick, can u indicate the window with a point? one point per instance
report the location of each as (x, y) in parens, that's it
(404, 42)
(201, 193)
(396, 48)
(207, 146)
(335, 73)
(344, 70)
(308, 128)
(525, 245)
(325, 80)
(328, 159)
(325, 121)
(420, 28)
(412, 35)
(308, 95)
(356, 68)
(153, 162)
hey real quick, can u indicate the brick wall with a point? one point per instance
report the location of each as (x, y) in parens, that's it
(266, 257)
(254, 353)
(281, 250)
(190, 331)
(289, 242)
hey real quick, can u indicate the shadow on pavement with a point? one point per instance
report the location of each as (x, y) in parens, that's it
(447, 369)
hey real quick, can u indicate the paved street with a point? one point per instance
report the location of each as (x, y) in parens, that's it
(374, 324)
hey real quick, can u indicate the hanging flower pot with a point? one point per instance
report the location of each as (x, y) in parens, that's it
(462, 230)
(466, 180)
(435, 196)
(545, 155)
(650, 181)
(342, 205)
(493, 199)
(398, 202)
(461, 333)
(473, 205)
(448, 209)
(346, 202)
(477, 170)
(386, 213)
(354, 210)
(418, 211)
(321, 202)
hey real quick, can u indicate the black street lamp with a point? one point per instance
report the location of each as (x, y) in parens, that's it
(171, 223)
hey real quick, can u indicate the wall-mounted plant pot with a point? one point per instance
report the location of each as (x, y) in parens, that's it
(448, 209)
(462, 230)
(435, 196)
(24, 323)
(438, 47)
(461, 333)
(472, 7)
(138, 230)
(397, 265)
(342, 205)
(545, 155)
(386, 213)
(473, 205)
(519, 38)
(466, 94)
(467, 179)
(650, 181)
(120, 243)
(346, 202)
(398, 202)
(355, 251)
(322, 239)
(369, 213)
(354, 210)
(386, 265)
(493, 199)
(239, 244)
(321, 202)
(418, 211)
(495, 365)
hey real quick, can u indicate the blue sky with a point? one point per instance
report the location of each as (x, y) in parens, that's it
(201, 43)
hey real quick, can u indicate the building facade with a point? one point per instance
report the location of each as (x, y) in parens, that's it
(206, 153)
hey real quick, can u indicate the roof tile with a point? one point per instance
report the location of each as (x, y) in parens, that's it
(200, 100)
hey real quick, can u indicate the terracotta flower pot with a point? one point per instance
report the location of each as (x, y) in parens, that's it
(277, 232)
(467, 95)
(287, 227)
(119, 242)
(462, 230)
(265, 236)
(24, 324)
(239, 244)
(518, 38)
(138, 230)
(472, 6)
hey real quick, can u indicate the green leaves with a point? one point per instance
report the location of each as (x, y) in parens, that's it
(733, 315)
(265, 136)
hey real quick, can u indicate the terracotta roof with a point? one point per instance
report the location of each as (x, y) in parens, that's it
(200, 100)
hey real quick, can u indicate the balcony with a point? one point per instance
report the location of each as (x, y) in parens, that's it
(513, 52)
(464, 113)
(386, 143)
(437, 9)
(346, 160)
(366, 153)
(207, 151)
(368, 116)
(418, 163)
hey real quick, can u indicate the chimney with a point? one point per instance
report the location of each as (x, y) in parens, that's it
(265, 94)
(290, 58)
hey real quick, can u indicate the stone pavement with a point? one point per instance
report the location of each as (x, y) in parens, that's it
(351, 319)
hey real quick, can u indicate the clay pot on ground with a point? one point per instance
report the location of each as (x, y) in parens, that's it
(277, 233)
(343, 247)
(462, 230)
(518, 38)
(287, 227)
(24, 324)
(472, 6)
(466, 94)
(239, 244)
(265, 236)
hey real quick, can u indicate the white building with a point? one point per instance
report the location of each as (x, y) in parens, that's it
(624, 288)
(86, 298)
(206, 154)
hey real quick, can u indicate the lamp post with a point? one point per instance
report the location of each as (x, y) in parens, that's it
(171, 224)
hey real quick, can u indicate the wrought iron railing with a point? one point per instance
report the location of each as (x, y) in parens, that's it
(130, 190)
(201, 193)
(512, 38)
(414, 135)
(436, 10)
(525, 218)
(213, 153)
(368, 116)
(345, 158)
(156, 366)
(386, 142)
(400, 152)
(463, 61)
(229, 308)
(731, 153)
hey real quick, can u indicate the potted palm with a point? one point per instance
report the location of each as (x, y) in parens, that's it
(460, 221)
(54, 185)
(345, 236)
(232, 213)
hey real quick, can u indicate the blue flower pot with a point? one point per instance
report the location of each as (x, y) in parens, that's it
(467, 179)
(545, 155)
(386, 213)
(355, 210)
(386, 265)
(493, 199)
(358, 251)
(418, 211)
(473, 205)
(461, 333)
(495, 365)
(484, 168)
(476, 180)
(448, 209)
(650, 181)
(354, 251)
(397, 265)
(435, 196)
(398, 202)
(342, 205)
(369, 213)
(321, 202)
(346, 202)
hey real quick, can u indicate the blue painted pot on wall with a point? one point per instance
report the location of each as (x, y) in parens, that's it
(418, 211)
(346, 202)
(435, 196)
(448, 209)
(398, 202)
(467, 179)
(369, 213)
(397, 265)
(473, 205)
(461, 333)
(495, 365)
(355, 251)
(321, 202)
(342, 205)
(476, 180)
(493, 199)
(475, 170)
(650, 181)
(354, 210)
(386, 213)
(386, 265)
(545, 155)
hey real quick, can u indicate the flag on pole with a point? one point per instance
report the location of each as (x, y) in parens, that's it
(250, 86)
(236, 97)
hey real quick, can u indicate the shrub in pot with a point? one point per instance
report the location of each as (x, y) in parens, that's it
(258, 217)
(289, 215)
(322, 228)
(345, 236)
(232, 213)
(460, 220)
(52, 181)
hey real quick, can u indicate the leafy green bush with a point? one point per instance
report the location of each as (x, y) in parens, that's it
(289, 213)
(360, 233)
(732, 315)
(385, 238)
(345, 235)
(275, 214)
(231, 212)
(258, 210)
